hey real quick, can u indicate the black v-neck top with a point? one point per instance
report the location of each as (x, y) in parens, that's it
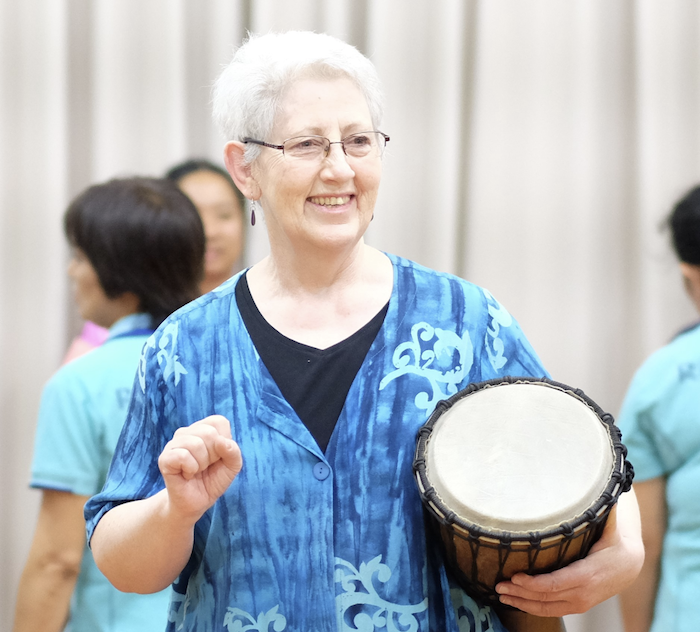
(314, 381)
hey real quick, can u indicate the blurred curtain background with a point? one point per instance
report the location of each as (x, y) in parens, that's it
(536, 147)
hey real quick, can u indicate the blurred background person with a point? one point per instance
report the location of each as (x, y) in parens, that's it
(220, 205)
(660, 422)
(138, 247)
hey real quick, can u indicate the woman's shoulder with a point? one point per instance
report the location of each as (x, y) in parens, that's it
(409, 266)
(451, 303)
(688, 335)
(208, 307)
(427, 278)
(683, 349)
(113, 361)
(677, 362)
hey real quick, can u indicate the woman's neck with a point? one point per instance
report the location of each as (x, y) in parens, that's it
(316, 271)
(115, 309)
(323, 300)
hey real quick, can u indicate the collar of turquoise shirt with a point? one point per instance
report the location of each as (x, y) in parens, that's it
(133, 322)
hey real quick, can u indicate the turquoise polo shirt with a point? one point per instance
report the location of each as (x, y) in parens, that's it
(660, 423)
(83, 408)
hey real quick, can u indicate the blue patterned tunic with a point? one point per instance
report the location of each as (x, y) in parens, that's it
(303, 541)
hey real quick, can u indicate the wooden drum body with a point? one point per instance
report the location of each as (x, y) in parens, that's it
(518, 475)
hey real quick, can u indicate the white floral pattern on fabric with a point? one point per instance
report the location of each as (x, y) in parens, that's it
(236, 620)
(168, 359)
(494, 345)
(178, 609)
(444, 365)
(150, 344)
(369, 611)
(470, 616)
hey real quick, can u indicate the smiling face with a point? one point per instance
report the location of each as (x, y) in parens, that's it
(328, 203)
(222, 218)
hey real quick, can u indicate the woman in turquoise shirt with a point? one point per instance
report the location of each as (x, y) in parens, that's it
(138, 249)
(321, 361)
(660, 421)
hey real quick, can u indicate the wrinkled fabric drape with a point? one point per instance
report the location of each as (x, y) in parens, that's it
(535, 149)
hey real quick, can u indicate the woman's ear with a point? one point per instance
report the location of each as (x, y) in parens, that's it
(239, 170)
(691, 278)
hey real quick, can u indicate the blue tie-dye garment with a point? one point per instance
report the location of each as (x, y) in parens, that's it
(303, 541)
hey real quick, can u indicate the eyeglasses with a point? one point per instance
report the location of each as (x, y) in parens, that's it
(317, 147)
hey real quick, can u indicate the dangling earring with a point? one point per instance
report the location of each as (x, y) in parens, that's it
(253, 204)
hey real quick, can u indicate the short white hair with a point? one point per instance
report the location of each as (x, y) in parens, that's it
(248, 91)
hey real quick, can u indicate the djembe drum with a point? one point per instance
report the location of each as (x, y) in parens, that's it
(518, 475)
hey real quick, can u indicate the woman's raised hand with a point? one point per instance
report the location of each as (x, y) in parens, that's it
(198, 465)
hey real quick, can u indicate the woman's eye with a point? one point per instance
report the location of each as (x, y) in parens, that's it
(308, 143)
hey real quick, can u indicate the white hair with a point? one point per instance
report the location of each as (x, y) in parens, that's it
(248, 91)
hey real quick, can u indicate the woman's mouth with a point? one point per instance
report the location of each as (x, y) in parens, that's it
(330, 200)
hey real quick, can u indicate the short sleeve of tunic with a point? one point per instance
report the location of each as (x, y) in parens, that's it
(142, 438)
(169, 374)
(67, 447)
(82, 409)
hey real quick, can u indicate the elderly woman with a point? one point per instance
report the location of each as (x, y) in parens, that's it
(265, 469)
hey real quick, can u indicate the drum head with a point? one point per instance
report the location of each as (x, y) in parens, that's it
(519, 457)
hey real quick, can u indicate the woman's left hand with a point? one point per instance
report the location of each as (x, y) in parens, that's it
(612, 565)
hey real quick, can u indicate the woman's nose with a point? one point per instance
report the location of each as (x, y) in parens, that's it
(337, 162)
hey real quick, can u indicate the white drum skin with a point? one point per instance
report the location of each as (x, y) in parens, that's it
(519, 459)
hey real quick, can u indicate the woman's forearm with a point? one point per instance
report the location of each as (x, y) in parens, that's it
(43, 597)
(53, 565)
(637, 601)
(141, 546)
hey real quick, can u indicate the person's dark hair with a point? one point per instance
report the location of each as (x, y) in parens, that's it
(179, 171)
(141, 235)
(684, 222)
